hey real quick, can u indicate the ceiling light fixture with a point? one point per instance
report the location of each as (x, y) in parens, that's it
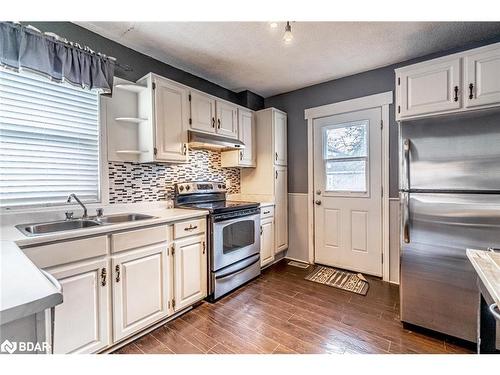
(288, 37)
(273, 25)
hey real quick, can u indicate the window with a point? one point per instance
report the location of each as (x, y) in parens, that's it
(346, 155)
(49, 141)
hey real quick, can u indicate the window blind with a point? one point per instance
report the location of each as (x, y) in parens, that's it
(49, 141)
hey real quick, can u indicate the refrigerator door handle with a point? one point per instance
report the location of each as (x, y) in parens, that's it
(405, 217)
(406, 165)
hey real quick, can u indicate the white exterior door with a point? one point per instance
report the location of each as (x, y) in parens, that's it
(247, 136)
(202, 112)
(348, 191)
(281, 208)
(227, 120)
(81, 321)
(266, 241)
(431, 88)
(190, 270)
(171, 121)
(482, 82)
(280, 138)
(140, 289)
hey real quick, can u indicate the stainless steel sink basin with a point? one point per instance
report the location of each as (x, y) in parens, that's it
(123, 218)
(38, 229)
(56, 226)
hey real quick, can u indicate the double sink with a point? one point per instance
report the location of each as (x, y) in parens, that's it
(38, 229)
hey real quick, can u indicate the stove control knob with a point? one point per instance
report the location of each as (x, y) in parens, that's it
(220, 186)
(223, 186)
(181, 188)
(188, 187)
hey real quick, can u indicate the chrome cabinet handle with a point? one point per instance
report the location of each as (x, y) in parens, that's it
(184, 149)
(117, 269)
(191, 227)
(103, 277)
(405, 217)
(261, 230)
(218, 123)
(241, 155)
(456, 94)
(276, 155)
(204, 247)
(496, 314)
(213, 122)
(471, 89)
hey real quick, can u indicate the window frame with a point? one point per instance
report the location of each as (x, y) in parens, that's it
(102, 180)
(346, 193)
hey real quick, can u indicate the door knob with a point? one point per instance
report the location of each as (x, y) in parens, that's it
(318, 202)
(318, 192)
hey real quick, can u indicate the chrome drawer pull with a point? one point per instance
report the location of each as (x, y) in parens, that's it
(266, 212)
(191, 227)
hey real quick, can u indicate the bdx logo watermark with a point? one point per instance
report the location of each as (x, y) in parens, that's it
(24, 346)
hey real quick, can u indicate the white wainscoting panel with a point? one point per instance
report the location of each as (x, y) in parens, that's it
(297, 227)
(394, 240)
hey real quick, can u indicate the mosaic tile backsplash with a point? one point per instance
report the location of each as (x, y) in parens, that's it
(136, 182)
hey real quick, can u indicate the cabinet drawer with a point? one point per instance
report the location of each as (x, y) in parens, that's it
(138, 238)
(189, 227)
(68, 251)
(267, 211)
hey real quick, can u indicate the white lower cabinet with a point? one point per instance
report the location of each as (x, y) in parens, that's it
(281, 209)
(81, 321)
(141, 289)
(266, 241)
(190, 271)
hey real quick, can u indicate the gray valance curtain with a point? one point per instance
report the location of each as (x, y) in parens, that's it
(24, 47)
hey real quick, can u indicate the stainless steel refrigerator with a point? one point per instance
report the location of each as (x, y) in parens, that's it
(450, 200)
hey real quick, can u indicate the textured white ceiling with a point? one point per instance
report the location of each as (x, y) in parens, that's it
(251, 55)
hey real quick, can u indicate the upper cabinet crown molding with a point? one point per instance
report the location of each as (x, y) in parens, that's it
(460, 82)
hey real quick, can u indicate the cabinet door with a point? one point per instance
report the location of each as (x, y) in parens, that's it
(227, 120)
(280, 142)
(171, 109)
(247, 136)
(482, 78)
(202, 112)
(140, 289)
(266, 241)
(281, 208)
(190, 270)
(430, 88)
(81, 321)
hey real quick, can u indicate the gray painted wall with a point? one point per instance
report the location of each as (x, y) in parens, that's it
(142, 64)
(363, 84)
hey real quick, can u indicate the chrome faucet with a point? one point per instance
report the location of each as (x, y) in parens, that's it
(73, 196)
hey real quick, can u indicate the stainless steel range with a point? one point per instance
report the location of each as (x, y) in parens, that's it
(233, 234)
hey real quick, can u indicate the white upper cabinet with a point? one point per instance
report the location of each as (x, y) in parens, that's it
(171, 111)
(482, 77)
(246, 157)
(280, 138)
(429, 88)
(227, 119)
(203, 116)
(460, 82)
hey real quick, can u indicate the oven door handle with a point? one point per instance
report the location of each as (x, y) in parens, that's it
(238, 270)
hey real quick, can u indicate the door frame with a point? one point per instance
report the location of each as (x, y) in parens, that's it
(382, 101)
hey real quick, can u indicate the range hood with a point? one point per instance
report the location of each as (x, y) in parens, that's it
(213, 141)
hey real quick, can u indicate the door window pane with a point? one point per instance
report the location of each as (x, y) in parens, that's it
(346, 140)
(346, 175)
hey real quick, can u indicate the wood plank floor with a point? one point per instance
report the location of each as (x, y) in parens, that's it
(280, 312)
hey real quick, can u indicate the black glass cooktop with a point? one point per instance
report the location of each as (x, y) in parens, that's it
(220, 206)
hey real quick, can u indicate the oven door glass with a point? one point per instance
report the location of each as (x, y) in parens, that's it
(238, 235)
(234, 240)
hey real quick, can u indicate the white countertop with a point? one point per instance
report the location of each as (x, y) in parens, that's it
(486, 269)
(24, 289)
(263, 200)
(161, 216)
